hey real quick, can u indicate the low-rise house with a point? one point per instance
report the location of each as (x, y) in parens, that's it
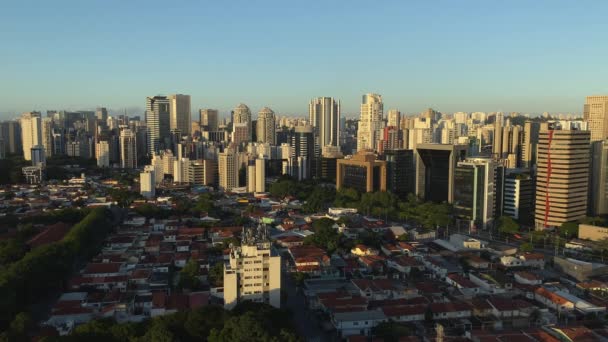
(510, 261)
(440, 267)
(404, 264)
(476, 262)
(389, 249)
(536, 260)
(527, 278)
(377, 289)
(422, 234)
(509, 308)
(373, 263)
(290, 241)
(357, 322)
(450, 310)
(341, 301)
(486, 282)
(363, 250)
(466, 286)
(405, 313)
(552, 300)
(102, 269)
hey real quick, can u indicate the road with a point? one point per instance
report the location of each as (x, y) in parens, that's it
(306, 322)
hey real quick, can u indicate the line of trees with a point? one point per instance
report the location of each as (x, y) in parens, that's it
(44, 269)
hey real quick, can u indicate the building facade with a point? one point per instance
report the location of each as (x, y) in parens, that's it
(324, 116)
(158, 123)
(595, 112)
(435, 165)
(474, 193)
(371, 121)
(266, 130)
(179, 113)
(361, 172)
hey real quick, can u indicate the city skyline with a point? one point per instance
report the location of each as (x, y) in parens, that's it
(468, 57)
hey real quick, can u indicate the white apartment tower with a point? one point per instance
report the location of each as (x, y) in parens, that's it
(128, 149)
(324, 116)
(147, 186)
(394, 118)
(254, 271)
(595, 113)
(371, 121)
(180, 117)
(228, 170)
(242, 115)
(102, 153)
(266, 126)
(31, 134)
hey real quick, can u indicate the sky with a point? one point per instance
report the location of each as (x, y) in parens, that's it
(525, 56)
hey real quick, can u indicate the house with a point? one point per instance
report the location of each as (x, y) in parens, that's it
(363, 250)
(450, 310)
(377, 289)
(486, 282)
(341, 301)
(476, 262)
(440, 267)
(405, 313)
(389, 249)
(308, 259)
(357, 322)
(466, 286)
(552, 300)
(406, 248)
(372, 263)
(422, 234)
(404, 264)
(509, 308)
(102, 269)
(510, 261)
(527, 278)
(536, 260)
(290, 241)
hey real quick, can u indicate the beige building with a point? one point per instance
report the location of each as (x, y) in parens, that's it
(253, 272)
(266, 126)
(371, 121)
(128, 148)
(228, 169)
(208, 119)
(595, 113)
(562, 176)
(179, 113)
(242, 115)
(593, 233)
(31, 132)
(361, 172)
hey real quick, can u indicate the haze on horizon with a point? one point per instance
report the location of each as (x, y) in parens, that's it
(520, 56)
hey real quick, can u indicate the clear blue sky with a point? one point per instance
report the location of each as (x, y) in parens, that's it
(528, 56)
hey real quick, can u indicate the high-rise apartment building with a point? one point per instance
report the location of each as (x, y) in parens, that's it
(228, 168)
(324, 116)
(529, 142)
(253, 272)
(595, 112)
(10, 133)
(180, 114)
(266, 130)
(208, 119)
(242, 115)
(371, 121)
(147, 185)
(46, 135)
(256, 175)
(394, 118)
(562, 175)
(128, 149)
(474, 193)
(101, 113)
(435, 165)
(102, 153)
(158, 123)
(31, 132)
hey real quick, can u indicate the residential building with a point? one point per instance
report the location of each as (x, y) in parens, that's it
(324, 116)
(158, 110)
(46, 136)
(228, 168)
(435, 165)
(595, 112)
(179, 113)
(208, 119)
(242, 115)
(474, 193)
(371, 121)
(10, 133)
(361, 172)
(240, 133)
(562, 176)
(302, 152)
(394, 118)
(254, 271)
(266, 130)
(102, 153)
(147, 184)
(128, 149)
(31, 132)
(529, 143)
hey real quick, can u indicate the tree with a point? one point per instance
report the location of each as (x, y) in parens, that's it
(216, 274)
(568, 229)
(325, 236)
(188, 276)
(507, 225)
(390, 331)
(526, 247)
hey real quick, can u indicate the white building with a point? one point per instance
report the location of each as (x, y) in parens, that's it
(31, 133)
(228, 169)
(253, 272)
(324, 116)
(266, 126)
(128, 149)
(371, 121)
(102, 153)
(179, 113)
(147, 184)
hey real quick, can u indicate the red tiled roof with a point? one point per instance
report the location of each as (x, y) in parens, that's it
(52, 233)
(462, 281)
(449, 307)
(405, 310)
(551, 296)
(96, 268)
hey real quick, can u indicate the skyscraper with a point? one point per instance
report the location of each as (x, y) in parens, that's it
(128, 149)
(400, 173)
(10, 133)
(102, 114)
(180, 114)
(266, 126)
(324, 116)
(595, 112)
(102, 153)
(208, 119)
(46, 134)
(474, 193)
(147, 186)
(529, 142)
(302, 152)
(394, 118)
(242, 114)
(158, 123)
(371, 121)
(435, 165)
(228, 169)
(562, 175)
(31, 133)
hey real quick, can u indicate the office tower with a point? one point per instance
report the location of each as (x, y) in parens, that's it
(128, 149)
(208, 119)
(474, 193)
(228, 168)
(302, 152)
(102, 153)
(240, 133)
(260, 175)
(371, 121)
(329, 162)
(562, 176)
(361, 172)
(435, 165)
(158, 123)
(598, 180)
(180, 114)
(431, 115)
(254, 270)
(147, 185)
(518, 196)
(529, 142)
(324, 116)
(400, 172)
(394, 118)
(595, 112)
(101, 113)
(242, 115)
(266, 126)
(497, 140)
(46, 134)
(251, 175)
(31, 134)
(58, 142)
(38, 156)
(10, 133)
